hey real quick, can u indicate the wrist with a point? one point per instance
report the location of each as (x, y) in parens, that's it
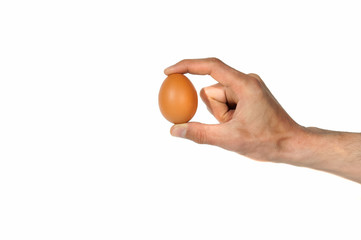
(296, 147)
(300, 146)
(311, 147)
(305, 146)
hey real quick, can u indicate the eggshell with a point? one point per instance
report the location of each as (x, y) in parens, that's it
(177, 99)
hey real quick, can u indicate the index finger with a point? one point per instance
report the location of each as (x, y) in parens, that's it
(214, 67)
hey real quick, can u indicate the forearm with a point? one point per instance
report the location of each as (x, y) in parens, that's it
(334, 152)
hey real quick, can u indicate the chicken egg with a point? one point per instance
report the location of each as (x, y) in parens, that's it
(177, 99)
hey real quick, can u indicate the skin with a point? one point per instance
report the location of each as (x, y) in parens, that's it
(252, 123)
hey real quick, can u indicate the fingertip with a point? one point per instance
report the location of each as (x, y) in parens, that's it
(178, 130)
(171, 129)
(173, 69)
(167, 71)
(179, 67)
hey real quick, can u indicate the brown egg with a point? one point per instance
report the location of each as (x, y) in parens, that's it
(177, 99)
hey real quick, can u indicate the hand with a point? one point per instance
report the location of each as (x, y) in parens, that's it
(252, 122)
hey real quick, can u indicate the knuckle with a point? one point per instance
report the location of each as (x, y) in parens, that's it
(214, 60)
(255, 87)
(183, 61)
(200, 137)
(254, 83)
(254, 75)
(256, 79)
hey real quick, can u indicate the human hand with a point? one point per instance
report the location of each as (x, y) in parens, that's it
(251, 121)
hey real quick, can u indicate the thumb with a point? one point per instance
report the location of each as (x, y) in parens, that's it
(200, 133)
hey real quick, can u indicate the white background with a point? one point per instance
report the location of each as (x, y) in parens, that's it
(86, 154)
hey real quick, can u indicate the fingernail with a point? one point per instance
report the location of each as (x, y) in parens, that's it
(179, 130)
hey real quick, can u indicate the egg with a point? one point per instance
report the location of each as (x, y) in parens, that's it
(177, 99)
